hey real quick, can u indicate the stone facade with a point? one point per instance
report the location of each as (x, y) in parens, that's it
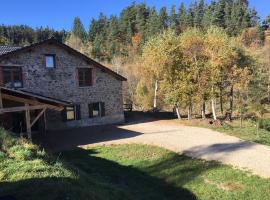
(61, 83)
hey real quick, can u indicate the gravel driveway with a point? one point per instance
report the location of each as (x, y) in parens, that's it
(199, 143)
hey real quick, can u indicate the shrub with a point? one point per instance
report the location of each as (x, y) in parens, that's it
(2, 156)
(6, 140)
(21, 153)
(264, 124)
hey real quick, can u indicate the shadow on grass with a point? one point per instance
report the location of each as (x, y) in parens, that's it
(62, 140)
(219, 148)
(95, 178)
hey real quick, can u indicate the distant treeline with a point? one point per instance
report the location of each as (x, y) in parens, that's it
(23, 35)
(113, 36)
(109, 37)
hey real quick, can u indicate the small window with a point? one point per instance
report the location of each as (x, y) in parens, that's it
(12, 77)
(72, 113)
(84, 77)
(96, 109)
(50, 61)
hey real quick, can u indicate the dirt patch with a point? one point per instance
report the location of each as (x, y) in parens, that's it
(227, 186)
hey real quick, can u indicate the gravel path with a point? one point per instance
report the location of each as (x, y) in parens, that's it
(197, 142)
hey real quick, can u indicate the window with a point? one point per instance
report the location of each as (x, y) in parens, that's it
(50, 61)
(72, 113)
(96, 109)
(84, 77)
(12, 77)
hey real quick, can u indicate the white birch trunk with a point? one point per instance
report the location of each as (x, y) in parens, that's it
(155, 96)
(213, 109)
(178, 112)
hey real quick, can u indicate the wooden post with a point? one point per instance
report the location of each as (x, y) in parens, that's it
(28, 122)
(1, 101)
(45, 125)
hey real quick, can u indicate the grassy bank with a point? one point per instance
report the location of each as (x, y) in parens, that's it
(248, 131)
(119, 172)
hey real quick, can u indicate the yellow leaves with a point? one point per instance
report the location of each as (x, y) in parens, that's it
(161, 51)
(192, 44)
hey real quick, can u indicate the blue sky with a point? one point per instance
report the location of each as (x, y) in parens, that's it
(59, 14)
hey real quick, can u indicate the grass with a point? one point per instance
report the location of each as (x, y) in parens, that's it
(119, 172)
(248, 131)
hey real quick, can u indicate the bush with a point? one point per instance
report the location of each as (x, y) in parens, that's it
(19, 152)
(2, 156)
(6, 140)
(264, 124)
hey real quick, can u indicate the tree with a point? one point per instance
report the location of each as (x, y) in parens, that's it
(153, 24)
(254, 18)
(163, 18)
(219, 57)
(182, 17)
(199, 13)
(76, 43)
(78, 29)
(219, 14)
(266, 22)
(159, 56)
(192, 45)
(190, 15)
(173, 18)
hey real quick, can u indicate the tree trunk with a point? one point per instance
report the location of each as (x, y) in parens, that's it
(190, 108)
(221, 100)
(213, 109)
(203, 110)
(155, 96)
(178, 112)
(231, 104)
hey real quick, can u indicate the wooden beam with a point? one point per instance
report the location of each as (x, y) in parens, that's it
(28, 122)
(21, 108)
(29, 101)
(38, 116)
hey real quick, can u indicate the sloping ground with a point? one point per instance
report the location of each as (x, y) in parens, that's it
(197, 142)
(118, 172)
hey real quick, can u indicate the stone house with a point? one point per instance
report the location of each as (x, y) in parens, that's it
(52, 72)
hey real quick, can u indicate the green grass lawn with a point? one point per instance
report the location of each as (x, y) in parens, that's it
(119, 172)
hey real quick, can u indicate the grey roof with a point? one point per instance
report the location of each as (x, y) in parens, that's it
(6, 49)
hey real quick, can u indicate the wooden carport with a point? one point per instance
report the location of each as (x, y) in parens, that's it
(30, 101)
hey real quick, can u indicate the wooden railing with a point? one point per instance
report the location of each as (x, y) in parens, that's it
(128, 107)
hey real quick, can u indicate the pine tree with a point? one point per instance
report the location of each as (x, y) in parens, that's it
(266, 22)
(173, 18)
(92, 30)
(227, 18)
(199, 13)
(190, 15)
(207, 17)
(78, 29)
(254, 18)
(219, 14)
(141, 17)
(153, 24)
(182, 17)
(163, 18)
(113, 35)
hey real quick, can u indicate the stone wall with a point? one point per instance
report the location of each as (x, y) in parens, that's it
(60, 83)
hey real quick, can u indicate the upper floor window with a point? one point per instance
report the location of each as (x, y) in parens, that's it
(12, 77)
(84, 77)
(50, 61)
